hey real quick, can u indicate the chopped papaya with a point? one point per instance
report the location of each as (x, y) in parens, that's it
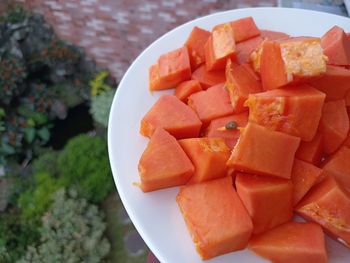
(292, 242)
(347, 99)
(244, 28)
(208, 78)
(289, 61)
(304, 176)
(163, 163)
(311, 151)
(209, 157)
(171, 69)
(293, 110)
(269, 200)
(245, 48)
(215, 217)
(336, 46)
(240, 83)
(227, 128)
(328, 204)
(338, 166)
(335, 83)
(334, 125)
(273, 35)
(195, 45)
(172, 115)
(220, 47)
(263, 151)
(208, 108)
(186, 88)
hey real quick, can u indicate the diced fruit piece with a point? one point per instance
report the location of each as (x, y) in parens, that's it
(269, 200)
(336, 46)
(338, 166)
(273, 35)
(195, 45)
(172, 115)
(209, 157)
(334, 125)
(240, 83)
(244, 28)
(293, 110)
(328, 204)
(262, 151)
(347, 99)
(208, 78)
(311, 151)
(289, 61)
(215, 217)
(292, 242)
(304, 176)
(245, 48)
(227, 128)
(186, 88)
(219, 47)
(211, 103)
(272, 71)
(163, 163)
(171, 69)
(335, 83)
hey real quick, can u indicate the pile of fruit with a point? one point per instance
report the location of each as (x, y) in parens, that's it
(257, 129)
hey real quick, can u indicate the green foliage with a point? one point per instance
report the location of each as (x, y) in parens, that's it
(46, 162)
(35, 201)
(84, 164)
(98, 84)
(100, 107)
(16, 14)
(72, 231)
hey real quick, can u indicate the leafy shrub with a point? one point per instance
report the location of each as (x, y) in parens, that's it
(84, 164)
(100, 107)
(72, 231)
(36, 200)
(46, 162)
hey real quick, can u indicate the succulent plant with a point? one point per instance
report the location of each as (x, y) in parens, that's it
(100, 107)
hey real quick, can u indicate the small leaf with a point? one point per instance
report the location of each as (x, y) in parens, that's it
(44, 134)
(29, 134)
(7, 149)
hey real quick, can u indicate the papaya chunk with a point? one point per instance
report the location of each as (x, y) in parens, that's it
(186, 88)
(334, 125)
(265, 152)
(208, 108)
(163, 163)
(208, 78)
(195, 45)
(245, 48)
(269, 200)
(311, 151)
(304, 176)
(240, 83)
(293, 110)
(292, 242)
(273, 35)
(220, 47)
(209, 157)
(336, 46)
(328, 204)
(172, 115)
(215, 217)
(335, 83)
(244, 28)
(227, 128)
(338, 166)
(171, 69)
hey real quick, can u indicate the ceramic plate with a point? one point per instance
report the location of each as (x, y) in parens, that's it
(156, 215)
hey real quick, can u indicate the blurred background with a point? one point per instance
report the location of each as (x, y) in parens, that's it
(60, 64)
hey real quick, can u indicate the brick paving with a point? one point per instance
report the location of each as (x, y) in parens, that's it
(114, 32)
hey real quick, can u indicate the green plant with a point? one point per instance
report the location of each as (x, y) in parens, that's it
(36, 200)
(16, 14)
(72, 231)
(84, 164)
(100, 107)
(98, 84)
(46, 162)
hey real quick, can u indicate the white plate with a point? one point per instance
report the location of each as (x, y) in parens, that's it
(156, 215)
